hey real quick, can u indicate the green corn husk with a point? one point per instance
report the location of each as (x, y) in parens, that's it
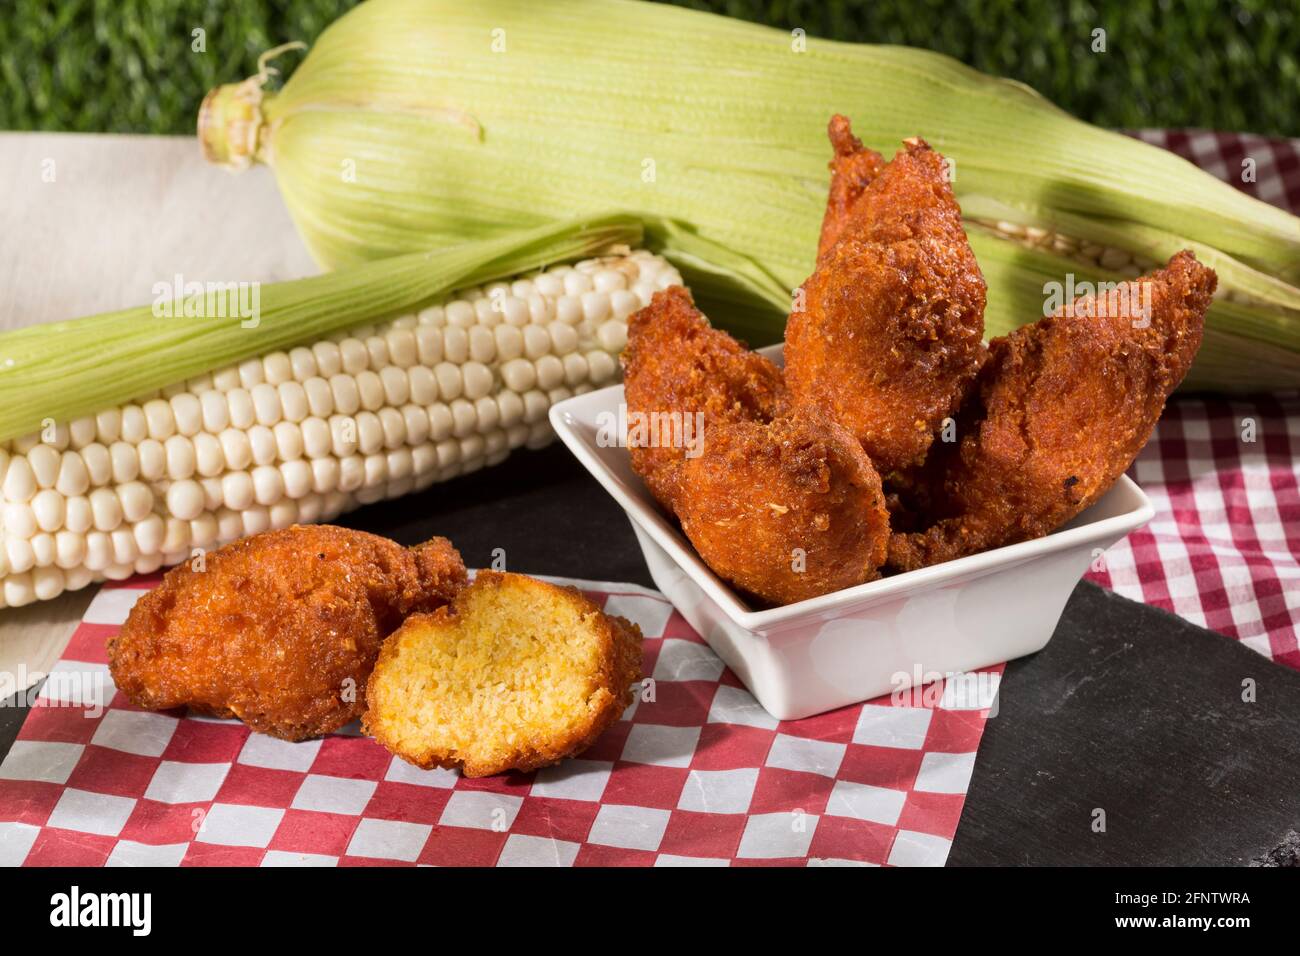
(415, 123)
(67, 369)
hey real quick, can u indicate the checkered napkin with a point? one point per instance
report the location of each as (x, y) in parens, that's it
(701, 775)
(1223, 550)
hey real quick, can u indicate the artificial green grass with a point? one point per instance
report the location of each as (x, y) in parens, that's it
(130, 66)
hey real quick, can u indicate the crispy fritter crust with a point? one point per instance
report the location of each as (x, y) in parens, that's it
(619, 665)
(676, 364)
(279, 629)
(785, 511)
(852, 170)
(1063, 408)
(888, 339)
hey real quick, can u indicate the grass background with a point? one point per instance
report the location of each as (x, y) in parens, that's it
(127, 65)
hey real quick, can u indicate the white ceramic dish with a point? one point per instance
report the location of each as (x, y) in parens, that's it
(856, 644)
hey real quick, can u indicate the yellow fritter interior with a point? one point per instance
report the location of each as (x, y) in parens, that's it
(514, 667)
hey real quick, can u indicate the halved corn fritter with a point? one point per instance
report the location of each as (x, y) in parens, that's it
(515, 674)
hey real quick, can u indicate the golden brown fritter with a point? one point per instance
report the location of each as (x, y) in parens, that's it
(677, 367)
(280, 629)
(887, 340)
(1063, 408)
(852, 170)
(785, 511)
(515, 674)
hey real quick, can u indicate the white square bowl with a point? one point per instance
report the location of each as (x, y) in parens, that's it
(852, 645)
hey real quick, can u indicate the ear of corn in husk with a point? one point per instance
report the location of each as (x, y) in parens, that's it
(331, 410)
(414, 123)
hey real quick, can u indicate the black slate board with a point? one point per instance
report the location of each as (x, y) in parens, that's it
(1129, 709)
(1136, 712)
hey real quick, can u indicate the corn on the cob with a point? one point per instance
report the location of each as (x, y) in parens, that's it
(718, 124)
(306, 434)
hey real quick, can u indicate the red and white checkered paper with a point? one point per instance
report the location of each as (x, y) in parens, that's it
(700, 776)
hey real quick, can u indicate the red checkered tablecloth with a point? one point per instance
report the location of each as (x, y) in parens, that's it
(700, 775)
(1223, 550)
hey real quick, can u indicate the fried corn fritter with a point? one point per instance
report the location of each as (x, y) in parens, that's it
(785, 511)
(677, 367)
(514, 674)
(280, 629)
(887, 341)
(1062, 409)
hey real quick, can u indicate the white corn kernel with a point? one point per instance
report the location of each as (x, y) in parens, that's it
(74, 479)
(377, 350)
(77, 515)
(370, 433)
(296, 478)
(20, 519)
(455, 344)
(19, 554)
(124, 463)
(277, 368)
(215, 410)
(209, 460)
(519, 375)
(268, 485)
(251, 373)
(153, 459)
(69, 548)
(237, 490)
(509, 342)
(81, 432)
(105, 508)
(550, 372)
(47, 508)
(449, 380)
(19, 482)
(136, 500)
(324, 475)
(187, 411)
(352, 473)
(149, 532)
(44, 460)
(441, 421)
(329, 359)
(135, 428)
(256, 520)
(261, 440)
(303, 362)
(236, 449)
(108, 426)
(204, 530)
(185, 499)
(371, 390)
(47, 583)
(512, 408)
(293, 401)
(242, 413)
(181, 459)
(266, 404)
(347, 399)
(320, 398)
(401, 348)
(161, 422)
(354, 356)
